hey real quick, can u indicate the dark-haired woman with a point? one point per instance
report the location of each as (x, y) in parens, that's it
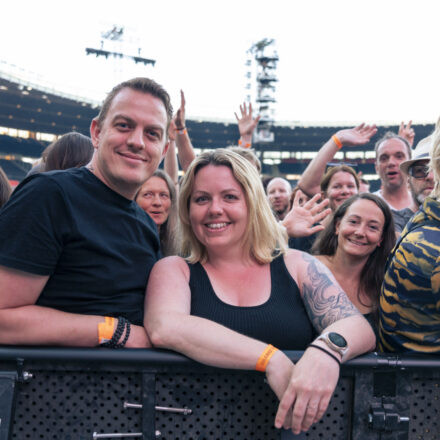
(71, 150)
(355, 246)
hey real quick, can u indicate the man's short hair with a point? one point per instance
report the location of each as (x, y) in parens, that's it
(140, 84)
(287, 183)
(391, 135)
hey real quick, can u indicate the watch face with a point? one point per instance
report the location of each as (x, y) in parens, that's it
(337, 339)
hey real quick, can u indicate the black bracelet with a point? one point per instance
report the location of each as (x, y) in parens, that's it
(113, 343)
(306, 193)
(119, 331)
(127, 334)
(180, 129)
(325, 351)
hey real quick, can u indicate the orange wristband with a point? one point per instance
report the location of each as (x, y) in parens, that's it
(246, 145)
(106, 329)
(264, 359)
(337, 141)
(182, 131)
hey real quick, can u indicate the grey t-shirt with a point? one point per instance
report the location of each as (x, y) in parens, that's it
(400, 216)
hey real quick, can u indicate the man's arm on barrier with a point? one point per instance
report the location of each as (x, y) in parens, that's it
(22, 322)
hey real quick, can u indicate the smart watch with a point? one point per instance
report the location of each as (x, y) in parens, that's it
(335, 341)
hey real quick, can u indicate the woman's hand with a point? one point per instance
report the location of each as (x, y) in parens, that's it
(308, 393)
(302, 221)
(278, 373)
(359, 135)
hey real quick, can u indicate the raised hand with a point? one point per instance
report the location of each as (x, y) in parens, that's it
(301, 221)
(179, 118)
(172, 130)
(407, 132)
(246, 123)
(359, 135)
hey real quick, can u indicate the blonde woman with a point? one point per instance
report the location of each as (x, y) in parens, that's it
(240, 293)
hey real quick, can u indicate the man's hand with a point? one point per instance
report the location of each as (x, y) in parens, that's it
(246, 124)
(407, 132)
(302, 221)
(359, 135)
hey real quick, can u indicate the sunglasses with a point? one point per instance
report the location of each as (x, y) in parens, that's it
(418, 171)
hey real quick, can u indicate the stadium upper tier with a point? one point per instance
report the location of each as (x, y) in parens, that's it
(27, 108)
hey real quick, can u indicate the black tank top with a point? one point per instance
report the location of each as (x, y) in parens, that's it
(281, 321)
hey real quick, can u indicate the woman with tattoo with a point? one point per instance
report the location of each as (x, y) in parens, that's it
(240, 293)
(355, 246)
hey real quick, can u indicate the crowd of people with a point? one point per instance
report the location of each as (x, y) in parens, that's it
(99, 247)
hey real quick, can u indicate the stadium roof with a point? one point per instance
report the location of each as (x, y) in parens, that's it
(25, 105)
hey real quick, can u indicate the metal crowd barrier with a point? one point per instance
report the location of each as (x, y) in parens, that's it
(85, 394)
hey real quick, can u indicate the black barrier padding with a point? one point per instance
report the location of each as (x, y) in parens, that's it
(69, 397)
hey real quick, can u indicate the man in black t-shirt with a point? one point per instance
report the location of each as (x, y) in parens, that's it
(75, 249)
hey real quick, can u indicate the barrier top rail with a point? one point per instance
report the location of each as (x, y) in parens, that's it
(157, 358)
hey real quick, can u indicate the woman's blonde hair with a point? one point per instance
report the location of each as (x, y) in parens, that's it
(263, 239)
(435, 160)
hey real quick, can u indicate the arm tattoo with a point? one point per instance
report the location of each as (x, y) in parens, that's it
(324, 300)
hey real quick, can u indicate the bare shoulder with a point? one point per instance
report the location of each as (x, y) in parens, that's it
(174, 264)
(297, 262)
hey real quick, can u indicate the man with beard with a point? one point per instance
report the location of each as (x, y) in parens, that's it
(278, 193)
(420, 181)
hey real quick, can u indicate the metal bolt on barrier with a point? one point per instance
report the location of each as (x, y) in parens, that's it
(27, 375)
(184, 411)
(122, 435)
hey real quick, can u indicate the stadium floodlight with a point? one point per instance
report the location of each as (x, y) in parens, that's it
(266, 59)
(107, 53)
(113, 36)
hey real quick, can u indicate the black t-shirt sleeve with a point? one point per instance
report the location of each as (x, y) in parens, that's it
(32, 226)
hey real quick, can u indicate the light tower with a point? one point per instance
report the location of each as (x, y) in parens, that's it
(265, 59)
(115, 45)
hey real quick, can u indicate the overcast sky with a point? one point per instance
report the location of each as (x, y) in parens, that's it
(339, 60)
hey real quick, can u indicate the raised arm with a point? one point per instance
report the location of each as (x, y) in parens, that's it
(170, 162)
(311, 178)
(185, 149)
(246, 125)
(24, 323)
(316, 374)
